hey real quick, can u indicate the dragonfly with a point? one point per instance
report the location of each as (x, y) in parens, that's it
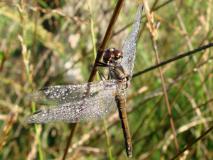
(94, 100)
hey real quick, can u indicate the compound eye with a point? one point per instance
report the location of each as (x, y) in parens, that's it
(112, 49)
(108, 55)
(118, 54)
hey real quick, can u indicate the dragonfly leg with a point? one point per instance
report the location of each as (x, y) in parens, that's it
(101, 64)
(101, 75)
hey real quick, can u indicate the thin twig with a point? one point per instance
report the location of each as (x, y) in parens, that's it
(154, 8)
(168, 89)
(98, 58)
(194, 142)
(179, 56)
(107, 36)
(69, 140)
(153, 32)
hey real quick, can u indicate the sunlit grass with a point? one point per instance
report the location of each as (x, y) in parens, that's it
(40, 46)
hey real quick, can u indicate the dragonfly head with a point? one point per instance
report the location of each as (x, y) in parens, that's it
(112, 56)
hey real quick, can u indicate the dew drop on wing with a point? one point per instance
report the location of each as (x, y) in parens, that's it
(129, 46)
(61, 94)
(88, 108)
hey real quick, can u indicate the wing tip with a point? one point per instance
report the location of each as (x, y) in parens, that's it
(36, 118)
(35, 96)
(30, 120)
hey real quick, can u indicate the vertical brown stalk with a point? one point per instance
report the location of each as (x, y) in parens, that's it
(98, 58)
(153, 32)
(107, 36)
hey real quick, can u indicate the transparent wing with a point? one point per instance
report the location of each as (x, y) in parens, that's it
(129, 46)
(63, 94)
(88, 108)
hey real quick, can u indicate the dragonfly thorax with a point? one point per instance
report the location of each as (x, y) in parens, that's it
(112, 56)
(117, 72)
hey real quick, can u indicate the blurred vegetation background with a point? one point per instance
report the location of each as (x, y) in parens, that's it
(48, 42)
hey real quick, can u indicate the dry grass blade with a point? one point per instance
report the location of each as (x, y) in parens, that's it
(7, 128)
(45, 43)
(153, 31)
(98, 57)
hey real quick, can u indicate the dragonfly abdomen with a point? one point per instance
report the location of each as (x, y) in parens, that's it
(121, 104)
